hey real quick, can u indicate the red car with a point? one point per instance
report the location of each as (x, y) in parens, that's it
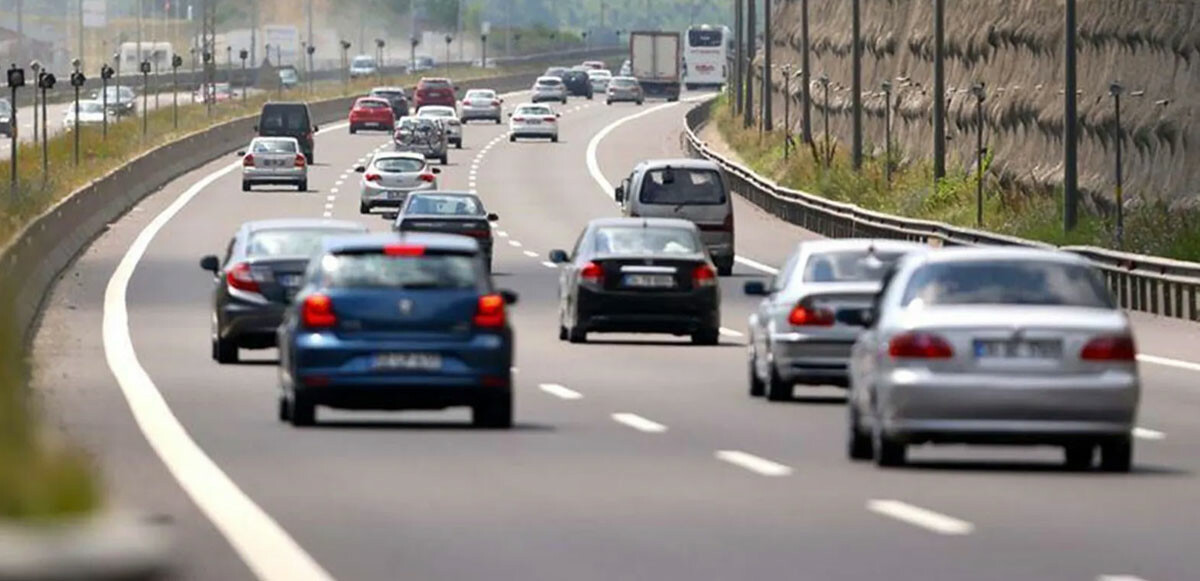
(435, 91)
(372, 113)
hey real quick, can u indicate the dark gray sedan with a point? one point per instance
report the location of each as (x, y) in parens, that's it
(264, 265)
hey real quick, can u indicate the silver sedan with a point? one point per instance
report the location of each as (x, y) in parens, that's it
(389, 178)
(274, 161)
(482, 104)
(549, 89)
(798, 334)
(995, 346)
(449, 118)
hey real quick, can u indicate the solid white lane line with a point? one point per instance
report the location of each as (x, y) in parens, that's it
(267, 549)
(753, 463)
(1185, 365)
(1119, 578)
(560, 391)
(531, 254)
(731, 333)
(756, 265)
(920, 517)
(639, 423)
(1148, 434)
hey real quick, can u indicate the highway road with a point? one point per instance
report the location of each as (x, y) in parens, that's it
(632, 457)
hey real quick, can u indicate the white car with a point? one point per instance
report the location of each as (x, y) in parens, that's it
(549, 89)
(599, 80)
(90, 113)
(449, 118)
(482, 104)
(274, 161)
(363, 66)
(390, 177)
(533, 120)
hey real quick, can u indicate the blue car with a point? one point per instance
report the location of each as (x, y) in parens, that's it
(397, 321)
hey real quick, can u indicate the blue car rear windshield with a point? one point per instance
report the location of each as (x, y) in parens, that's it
(438, 271)
(1008, 282)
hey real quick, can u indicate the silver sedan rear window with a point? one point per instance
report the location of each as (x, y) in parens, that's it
(1008, 282)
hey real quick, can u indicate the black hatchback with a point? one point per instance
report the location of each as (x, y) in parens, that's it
(288, 120)
(578, 83)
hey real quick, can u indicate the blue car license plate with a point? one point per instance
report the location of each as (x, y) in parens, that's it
(407, 362)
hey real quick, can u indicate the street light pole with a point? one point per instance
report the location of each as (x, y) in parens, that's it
(36, 67)
(16, 80)
(805, 76)
(787, 110)
(939, 89)
(77, 80)
(828, 154)
(980, 93)
(740, 40)
(856, 85)
(751, 49)
(768, 117)
(1070, 127)
(887, 132)
(1116, 89)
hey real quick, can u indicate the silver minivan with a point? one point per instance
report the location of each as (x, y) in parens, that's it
(689, 189)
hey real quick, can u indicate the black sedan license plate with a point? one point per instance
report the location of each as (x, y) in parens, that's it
(290, 280)
(650, 280)
(407, 362)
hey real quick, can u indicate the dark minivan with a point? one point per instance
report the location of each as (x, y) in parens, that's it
(288, 120)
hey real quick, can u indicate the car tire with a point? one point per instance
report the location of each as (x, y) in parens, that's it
(564, 101)
(562, 333)
(302, 186)
(499, 121)
(285, 409)
(589, 97)
(353, 130)
(706, 337)
(858, 444)
(1116, 455)
(577, 334)
(758, 387)
(303, 411)
(224, 351)
(458, 144)
(725, 267)
(512, 138)
(887, 451)
(1079, 456)
(553, 139)
(245, 186)
(609, 103)
(494, 414)
(640, 103)
(777, 388)
(363, 208)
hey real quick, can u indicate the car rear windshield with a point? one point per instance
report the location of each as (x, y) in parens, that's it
(548, 82)
(363, 61)
(5, 107)
(623, 82)
(849, 266)
(390, 95)
(372, 104)
(274, 146)
(534, 111)
(435, 112)
(436, 271)
(435, 84)
(683, 186)
(434, 205)
(289, 118)
(481, 94)
(645, 240)
(287, 242)
(1008, 282)
(399, 164)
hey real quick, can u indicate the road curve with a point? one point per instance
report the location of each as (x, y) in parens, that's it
(632, 458)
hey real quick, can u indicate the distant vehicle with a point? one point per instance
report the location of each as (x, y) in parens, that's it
(263, 268)
(626, 89)
(289, 77)
(281, 119)
(593, 65)
(423, 135)
(421, 64)
(363, 66)
(994, 345)
(389, 178)
(396, 96)
(158, 53)
(800, 333)
(549, 89)
(449, 117)
(217, 93)
(638, 275)
(706, 56)
(435, 91)
(396, 322)
(274, 161)
(599, 79)
(90, 113)
(481, 104)
(555, 72)
(655, 57)
(459, 213)
(372, 113)
(478, 63)
(578, 84)
(6, 118)
(684, 188)
(121, 101)
(533, 120)
(626, 69)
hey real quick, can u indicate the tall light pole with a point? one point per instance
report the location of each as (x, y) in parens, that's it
(751, 49)
(805, 76)
(1070, 127)
(16, 80)
(739, 41)
(887, 132)
(787, 110)
(856, 84)
(980, 93)
(939, 89)
(1115, 90)
(77, 81)
(79, 23)
(768, 118)
(310, 49)
(36, 67)
(828, 154)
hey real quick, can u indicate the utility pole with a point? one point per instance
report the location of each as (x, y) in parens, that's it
(1070, 127)
(1115, 90)
(79, 21)
(139, 32)
(311, 42)
(856, 98)
(508, 33)
(254, 20)
(751, 49)
(939, 89)
(739, 36)
(805, 74)
(768, 91)
(21, 38)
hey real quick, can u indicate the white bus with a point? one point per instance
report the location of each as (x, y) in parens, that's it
(706, 56)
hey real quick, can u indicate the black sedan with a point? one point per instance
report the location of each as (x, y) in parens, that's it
(638, 275)
(458, 213)
(264, 266)
(396, 97)
(578, 83)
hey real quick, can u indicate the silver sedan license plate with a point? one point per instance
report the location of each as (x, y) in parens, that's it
(407, 362)
(650, 280)
(1018, 349)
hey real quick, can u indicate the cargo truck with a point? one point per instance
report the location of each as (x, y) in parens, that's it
(655, 59)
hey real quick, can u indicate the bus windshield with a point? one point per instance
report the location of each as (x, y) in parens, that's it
(704, 38)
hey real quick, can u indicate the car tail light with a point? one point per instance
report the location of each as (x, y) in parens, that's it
(805, 316)
(495, 103)
(317, 312)
(592, 273)
(300, 161)
(489, 314)
(704, 276)
(427, 177)
(1114, 348)
(404, 250)
(485, 233)
(919, 346)
(519, 119)
(240, 278)
(549, 119)
(372, 177)
(466, 102)
(248, 161)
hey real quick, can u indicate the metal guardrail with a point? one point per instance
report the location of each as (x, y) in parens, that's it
(1149, 284)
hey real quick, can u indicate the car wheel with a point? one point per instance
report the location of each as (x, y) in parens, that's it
(245, 186)
(302, 186)
(564, 101)
(495, 414)
(725, 267)
(640, 103)
(888, 452)
(562, 333)
(353, 130)
(858, 444)
(458, 144)
(1079, 456)
(285, 409)
(304, 411)
(589, 97)
(224, 351)
(498, 121)
(777, 388)
(609, 103)
(445, 160)
(1117, 455)
(363, 208)
(512, 138)
(706, 337)
(577, 334)
(758, 387)
(553, 139)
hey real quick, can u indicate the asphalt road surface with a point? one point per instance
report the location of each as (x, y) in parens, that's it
(632, 457)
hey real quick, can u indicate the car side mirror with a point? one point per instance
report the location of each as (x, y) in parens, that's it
(559, 115)
(559, 257)
(241, 154)
(211, 263)
(864, 317)
(360, 169)
(510, 297)
(436, 170)
(619, 193)
(755, 288)
(493, 217)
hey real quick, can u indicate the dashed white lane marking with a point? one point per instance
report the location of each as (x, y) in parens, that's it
(327, 215)
(1186, 365)
(753, 463)
(334, 190)
(920, 517)
(1148, 434)
(328, 206)
(731, 333)
(548, 264)
(343, 176)
(1119, 578)
(639, 423)
(560, 391)
(331, 198)
(502, 234)
(514, 243)
(530, 254)
(339, 182)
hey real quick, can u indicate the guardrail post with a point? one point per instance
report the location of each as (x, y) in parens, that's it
(1154, 296)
